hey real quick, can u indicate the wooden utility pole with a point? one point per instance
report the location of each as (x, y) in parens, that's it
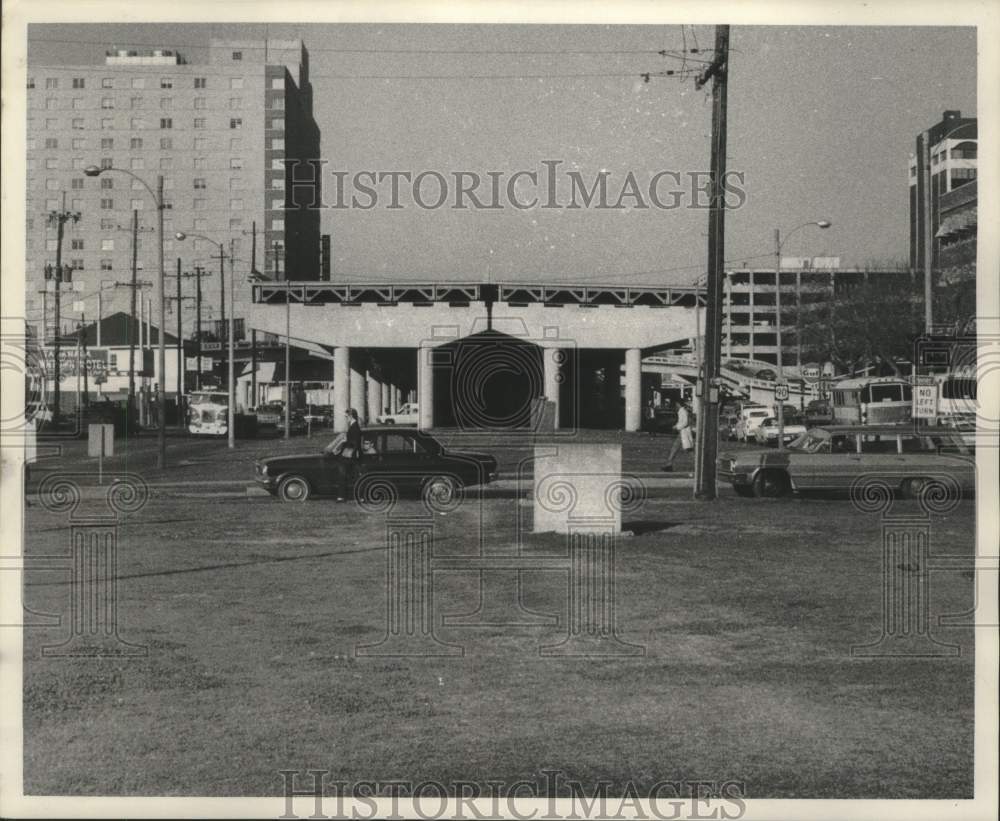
(708, 444)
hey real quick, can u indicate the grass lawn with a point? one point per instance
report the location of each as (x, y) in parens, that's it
(746, 611)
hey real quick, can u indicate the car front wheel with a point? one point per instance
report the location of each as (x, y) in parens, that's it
(770, 484)
(294, 489)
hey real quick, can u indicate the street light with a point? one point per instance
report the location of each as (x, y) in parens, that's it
(778, 243)
(95, 171)
(230, 332)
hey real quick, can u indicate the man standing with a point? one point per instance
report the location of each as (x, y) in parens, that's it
(685, 434)
(349, 454)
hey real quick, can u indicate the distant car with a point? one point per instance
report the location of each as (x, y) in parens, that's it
(271, 414)
(750, 417)
(727, 425)
(819, 412)
(403, 458)
(319, 416)
(908, 460)
(766, 433)
(408, 414)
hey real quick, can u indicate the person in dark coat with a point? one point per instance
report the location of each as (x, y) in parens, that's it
(351, 453)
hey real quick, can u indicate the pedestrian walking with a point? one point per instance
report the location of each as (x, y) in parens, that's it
(685, 434)
(350, 454)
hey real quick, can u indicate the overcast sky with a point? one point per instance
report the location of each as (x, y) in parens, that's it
(821, 121)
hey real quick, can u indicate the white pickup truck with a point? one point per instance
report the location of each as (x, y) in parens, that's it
(408, 414)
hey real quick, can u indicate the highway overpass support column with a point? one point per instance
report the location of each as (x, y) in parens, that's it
(425, 387)
(633, 389)
(553, 359)
(341, 387)
(357, 396)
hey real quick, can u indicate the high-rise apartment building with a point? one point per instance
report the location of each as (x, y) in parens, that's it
(224, 134)
(949, 151)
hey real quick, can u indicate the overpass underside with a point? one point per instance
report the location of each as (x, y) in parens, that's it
(484, 356)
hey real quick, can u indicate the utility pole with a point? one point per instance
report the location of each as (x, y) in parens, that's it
(717, 71)
(59, 219)
(179, 299)
(927, 232)
(197, 331)
(222, 290)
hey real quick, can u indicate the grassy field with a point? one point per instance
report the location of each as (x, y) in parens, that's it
(251, 611)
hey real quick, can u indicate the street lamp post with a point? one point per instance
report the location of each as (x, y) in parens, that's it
(94, 171)
(778, 243)
(230, 329)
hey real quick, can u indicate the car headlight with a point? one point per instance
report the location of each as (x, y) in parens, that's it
(262, 469)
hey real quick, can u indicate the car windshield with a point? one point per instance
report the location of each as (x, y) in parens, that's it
(336, 445)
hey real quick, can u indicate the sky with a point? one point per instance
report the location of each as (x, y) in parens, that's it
(821, 121)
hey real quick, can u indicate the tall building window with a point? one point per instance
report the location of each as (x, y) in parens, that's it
(31, 82)
(235, 83)
(107, 123)
(278, 122)
(277, 225)
(278, 103)
(107, 183)
(278, 144)
(199, 122)
(107, 82)
(78, 164)
(106, 162)
(199, 182)
(77, 123)
(51, 142)
(200, 162)
(107, 102)
(51, 103)
(76, 244)
(200, 82)
(135, 143)
(166, 122)
(78, 82)
(166, 102)
(236, 184)
(51, 125)
(138, 82)
(52, 185)
(199, 204)
(166, 82)
(52, 205)
(236, 144)
(235, 102)
(166, 162)
(79, 143)
(201, 224)
(52, 162)
(236, 162)
(137, 123)
(76, 264)
(135, 102)
(166, 143)
(136, 163)
(236, 122)
(107, 224)
(235, 224)
(278, 83)
(107, 142)
(106, 265)
(237, 55)
(137, 205)
(52, 82)
(78, 103)
(200, 143)
(200, 102)
(108, 204)
(107, 245)
(236, 205)
(76, 183)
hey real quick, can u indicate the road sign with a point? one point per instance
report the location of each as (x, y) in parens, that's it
(781, 391)
(101, 440)
(925, 401)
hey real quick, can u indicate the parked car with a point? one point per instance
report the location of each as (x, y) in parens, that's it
(831, 458)
(766, 433)
(403, 458)
(819, 412)
(750, 417)
(319, 416)
(408, 414)
(270, 414)
(727, 425)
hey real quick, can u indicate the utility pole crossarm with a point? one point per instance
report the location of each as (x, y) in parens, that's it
(717, 66)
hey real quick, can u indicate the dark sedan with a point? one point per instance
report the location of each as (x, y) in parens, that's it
(400, 459)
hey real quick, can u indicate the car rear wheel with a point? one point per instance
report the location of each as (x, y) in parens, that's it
(442, 491)
(743, 490)
(914, 487)
(294, 489)
(770, 484)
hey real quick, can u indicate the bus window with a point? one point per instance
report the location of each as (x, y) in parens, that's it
(958, 389)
